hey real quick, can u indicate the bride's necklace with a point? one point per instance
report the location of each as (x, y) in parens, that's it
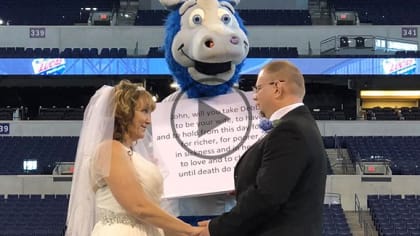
(130, 151)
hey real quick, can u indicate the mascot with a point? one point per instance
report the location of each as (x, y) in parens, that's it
(205, 48)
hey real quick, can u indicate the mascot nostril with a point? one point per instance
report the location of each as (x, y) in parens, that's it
(234, 40)
(209, 43)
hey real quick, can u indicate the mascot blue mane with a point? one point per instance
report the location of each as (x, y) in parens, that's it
(192, 87)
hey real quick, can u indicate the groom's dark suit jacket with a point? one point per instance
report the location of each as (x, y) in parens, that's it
(279, 183)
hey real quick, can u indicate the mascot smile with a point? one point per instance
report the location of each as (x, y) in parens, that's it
(205, 45)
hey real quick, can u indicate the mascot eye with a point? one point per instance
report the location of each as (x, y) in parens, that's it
(226, 19)
(225, 16)
(196, 17)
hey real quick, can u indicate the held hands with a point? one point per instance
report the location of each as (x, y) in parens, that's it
(192, 231)
(200, 230)
(205, 228)
(196, 231)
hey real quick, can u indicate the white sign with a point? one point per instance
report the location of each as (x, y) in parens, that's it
(200, 141)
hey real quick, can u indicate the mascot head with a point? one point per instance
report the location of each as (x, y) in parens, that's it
(205, 45)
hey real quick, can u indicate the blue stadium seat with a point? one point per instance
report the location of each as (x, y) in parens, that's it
(93, 53)
(113, 53)
(55, 53)
(66, 53)
(38, 52)
(122, 52)
(76, 53)
(85, 53)
(105, 53)
(19, 52)
(46, 53)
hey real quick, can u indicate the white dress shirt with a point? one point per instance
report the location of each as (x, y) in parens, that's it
(284, 110)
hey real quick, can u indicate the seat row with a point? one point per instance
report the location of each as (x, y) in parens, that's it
(254, 52)
(380, 12)
(52, 12)
(44, 151)
(250, 17)
(53, 113)
(388, 113)
(395, 214)
(45, 215)
(21, 52)
(403, 152)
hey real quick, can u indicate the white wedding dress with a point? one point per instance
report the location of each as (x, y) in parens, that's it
(113, 219)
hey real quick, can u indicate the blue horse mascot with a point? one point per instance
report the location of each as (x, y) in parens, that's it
(205, 47)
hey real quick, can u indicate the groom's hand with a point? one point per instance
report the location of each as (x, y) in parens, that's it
(205, 225)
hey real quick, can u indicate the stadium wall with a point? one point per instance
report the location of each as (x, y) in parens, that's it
(302, 37)
(327, 128)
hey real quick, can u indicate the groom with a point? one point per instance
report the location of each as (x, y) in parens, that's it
(280, 180)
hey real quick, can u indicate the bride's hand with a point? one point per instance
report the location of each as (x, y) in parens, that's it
(198, 231)
(192, 231)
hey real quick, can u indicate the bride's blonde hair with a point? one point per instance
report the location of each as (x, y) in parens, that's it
(127, 95)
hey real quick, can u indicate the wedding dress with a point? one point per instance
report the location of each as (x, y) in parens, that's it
(113, 219)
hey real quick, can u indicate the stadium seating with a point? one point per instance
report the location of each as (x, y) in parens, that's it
(249, 16)
(381, 12)
(273, 52)
(6, 113)
(331, 103)
(378, 113)
(254, 52)
(44, 12)
(405, 54)
(155, 52)
(275, 17)
(150, 17)
(25, 215)
(395, 214)
(46, 150)
(335, 222)
(402, 151)
(20, 52)
(388, 113)
(54, 113)
(49, 150)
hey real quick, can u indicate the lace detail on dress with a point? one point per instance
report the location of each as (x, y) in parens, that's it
(109, 217)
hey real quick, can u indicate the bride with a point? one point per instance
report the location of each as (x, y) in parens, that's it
(115, 190)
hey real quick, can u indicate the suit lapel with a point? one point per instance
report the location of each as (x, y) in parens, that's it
(298, 111)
